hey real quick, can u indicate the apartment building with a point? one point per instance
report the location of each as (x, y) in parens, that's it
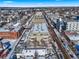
(72, 26)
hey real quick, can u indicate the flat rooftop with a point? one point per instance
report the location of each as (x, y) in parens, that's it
(74, 36)
(10, 27)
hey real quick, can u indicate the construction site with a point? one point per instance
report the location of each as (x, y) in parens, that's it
(37, 33)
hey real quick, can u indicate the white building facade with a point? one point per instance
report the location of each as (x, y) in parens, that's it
(72, 26)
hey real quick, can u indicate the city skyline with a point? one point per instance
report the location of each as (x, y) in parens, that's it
(38, 3)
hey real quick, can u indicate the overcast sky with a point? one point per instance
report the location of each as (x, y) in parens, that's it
(38, 3)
